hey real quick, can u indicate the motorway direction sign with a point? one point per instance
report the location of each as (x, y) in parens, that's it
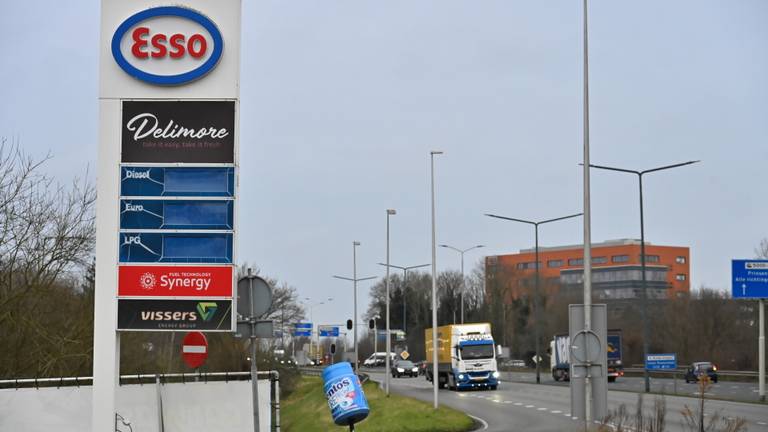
(302, 329)
(174, 315)
(175, 247)
(137, 181)
(136, 214)
(174, 281)
(194, 349)
(178, 131)
(749, 278)
(661, 361)
(328, 331)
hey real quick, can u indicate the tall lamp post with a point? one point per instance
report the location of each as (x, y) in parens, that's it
(355, 280)
(537, 294)
(390, 212)
(311, 305)
(435, 377)
(405, 285)
(461, 252)
(644, 296)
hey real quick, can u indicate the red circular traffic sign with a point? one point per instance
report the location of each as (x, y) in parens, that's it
(194, 349)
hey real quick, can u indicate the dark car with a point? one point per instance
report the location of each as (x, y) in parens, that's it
(404, 367)
(698, 370)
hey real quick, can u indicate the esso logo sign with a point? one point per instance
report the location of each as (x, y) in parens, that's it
(167, 45)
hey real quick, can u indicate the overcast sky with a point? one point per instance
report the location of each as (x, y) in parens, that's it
(342, 101)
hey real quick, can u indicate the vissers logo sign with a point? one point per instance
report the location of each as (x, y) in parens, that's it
(167, 45)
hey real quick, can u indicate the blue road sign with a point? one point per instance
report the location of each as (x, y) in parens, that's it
(661, 361)
(302, 329)
(328, 331)
(750, 278)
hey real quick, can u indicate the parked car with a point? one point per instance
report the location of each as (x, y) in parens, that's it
(698, 370)
(404, 367)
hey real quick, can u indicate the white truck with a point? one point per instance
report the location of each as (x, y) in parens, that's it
(466, 357)
(560, 362)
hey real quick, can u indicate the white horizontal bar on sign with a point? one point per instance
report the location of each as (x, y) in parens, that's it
(178, 165)
(176, 198)
(194, 349)
(176, 231)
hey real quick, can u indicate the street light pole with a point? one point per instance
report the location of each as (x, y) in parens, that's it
(390, 212)
(355, 280)
(644, 296)
(537, 293)
(435, 377)
(312, 320)
(461, 252)
(405, 285)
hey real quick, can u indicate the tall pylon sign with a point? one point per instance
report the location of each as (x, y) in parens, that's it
(166, 212)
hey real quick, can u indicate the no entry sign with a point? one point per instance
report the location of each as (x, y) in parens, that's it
(194, 349)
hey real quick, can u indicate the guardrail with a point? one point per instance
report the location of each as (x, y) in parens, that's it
(134, 379)
(640, 369)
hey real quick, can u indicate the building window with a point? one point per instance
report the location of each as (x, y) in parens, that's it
(680, 260)
(555, 263)
(620, 258)
(520, 266)
(528, 265)
(680, 277)
(650, 258)
(599, 260)
(575, 262)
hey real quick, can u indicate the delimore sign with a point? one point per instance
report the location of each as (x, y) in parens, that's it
(167, 45)
(173, 315)
(178, 131)
(175, 281)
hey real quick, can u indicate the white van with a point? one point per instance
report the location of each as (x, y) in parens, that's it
(378, 359)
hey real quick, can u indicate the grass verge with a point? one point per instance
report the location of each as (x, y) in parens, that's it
(306, 410)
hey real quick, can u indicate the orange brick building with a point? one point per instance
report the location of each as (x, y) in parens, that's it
(616, 269)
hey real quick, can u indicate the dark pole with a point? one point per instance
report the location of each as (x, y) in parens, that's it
(405, 287)
(646, 327)
(536, 307)
(644, 295)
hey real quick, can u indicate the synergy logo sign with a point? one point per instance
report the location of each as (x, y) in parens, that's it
(175, 281)
(167, 45)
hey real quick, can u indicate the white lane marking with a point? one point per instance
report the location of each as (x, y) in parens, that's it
(762, 423)
(483, 422)
(516, 403)
(542, 409)
(567, 415)
(530, 406)
(556, 412)
(507, 401)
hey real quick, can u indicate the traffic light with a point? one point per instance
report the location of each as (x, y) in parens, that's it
(371, 324)
(349, 324)
(333, 348)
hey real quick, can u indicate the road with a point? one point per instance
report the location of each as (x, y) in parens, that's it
(545, 408)
(738, 391)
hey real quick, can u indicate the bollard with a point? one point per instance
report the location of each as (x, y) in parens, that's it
(344, 392)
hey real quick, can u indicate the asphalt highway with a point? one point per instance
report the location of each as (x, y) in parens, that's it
(518, 406)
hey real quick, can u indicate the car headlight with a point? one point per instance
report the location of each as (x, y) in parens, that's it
(415, 369)
(400, 370)
(618, 362)
(461, 376)
(495, 374)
